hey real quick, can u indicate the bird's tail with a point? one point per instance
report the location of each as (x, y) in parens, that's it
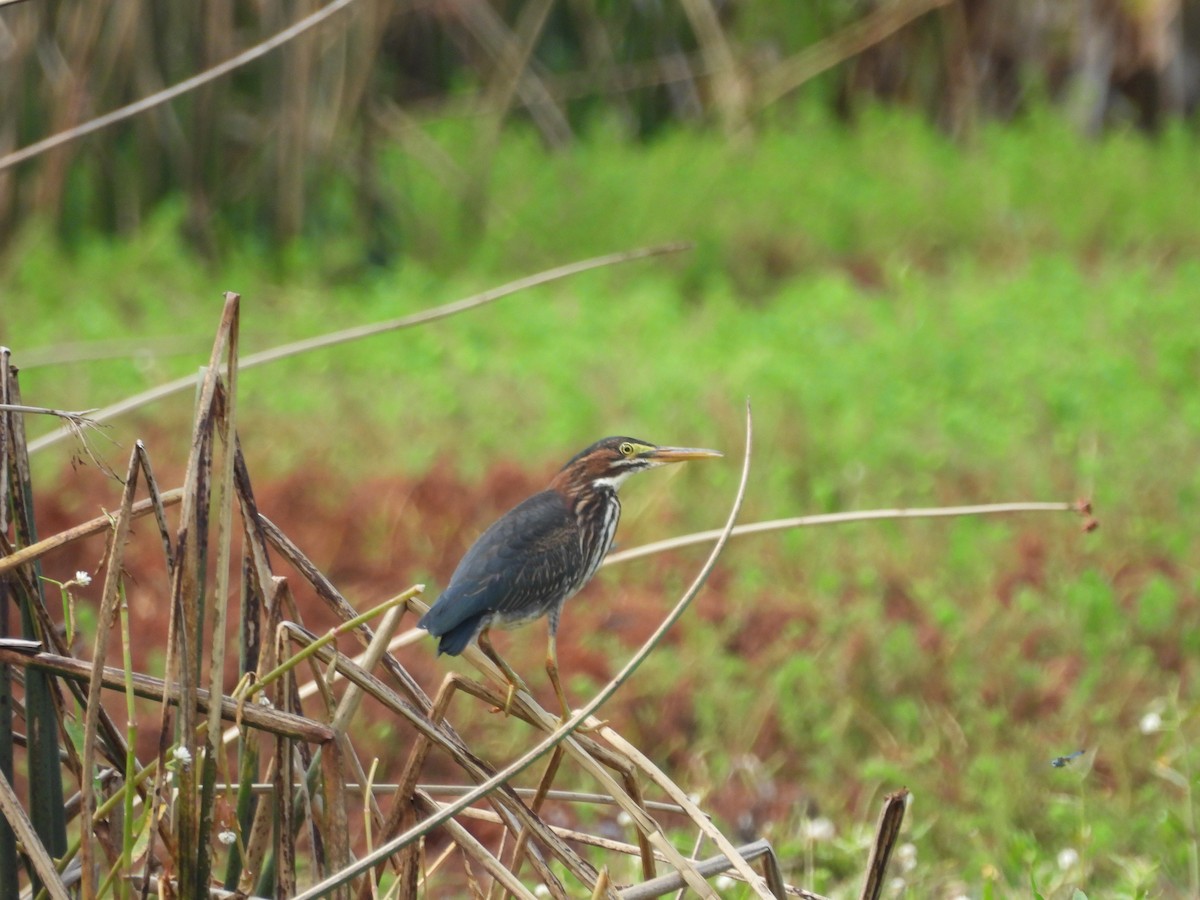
(451, 640)
(456, 639)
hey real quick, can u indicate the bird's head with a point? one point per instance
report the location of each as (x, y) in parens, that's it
(609, 462)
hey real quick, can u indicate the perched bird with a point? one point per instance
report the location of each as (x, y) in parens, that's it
(540, 553)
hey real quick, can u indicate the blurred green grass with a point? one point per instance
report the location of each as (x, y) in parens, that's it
(914, 322)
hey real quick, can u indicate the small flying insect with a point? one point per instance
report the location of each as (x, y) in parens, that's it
(1060, 761)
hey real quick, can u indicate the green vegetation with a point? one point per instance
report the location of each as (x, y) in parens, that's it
(915, 323)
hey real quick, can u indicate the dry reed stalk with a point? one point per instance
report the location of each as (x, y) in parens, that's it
(271, 721)
(43, 864)
(155, 504)
(728, 91)
(886, 835)
(43, 702)
(188, 595)
(362, 331)
(871, 29)
(106, 620)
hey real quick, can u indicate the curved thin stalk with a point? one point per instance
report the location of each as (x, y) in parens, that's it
(187, 382)
(866, 515)
(550, 742)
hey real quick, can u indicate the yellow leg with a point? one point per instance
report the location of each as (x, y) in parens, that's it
(514, 680)
(552, 671)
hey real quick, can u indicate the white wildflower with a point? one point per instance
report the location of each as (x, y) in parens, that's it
(1068, 858)
(182, 756)
(83, 578)
(1150, 723)
(624, 818)
(227, 837)
(897, 885)
(819, 829)
(541, 891)
(906, 857)
(724, 883)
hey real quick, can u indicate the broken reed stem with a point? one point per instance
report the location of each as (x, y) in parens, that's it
(261, 718)
(891, 817)
(92, 526)
(131, 732)
(43, 864)
(316, 646)
(113, 569)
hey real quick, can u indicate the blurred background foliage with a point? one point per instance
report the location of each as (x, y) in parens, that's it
(949, 249)
(291, 145)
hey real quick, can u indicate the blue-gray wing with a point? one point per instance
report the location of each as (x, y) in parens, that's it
(518, 569)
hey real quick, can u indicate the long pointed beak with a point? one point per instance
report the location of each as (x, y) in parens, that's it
(680, 454)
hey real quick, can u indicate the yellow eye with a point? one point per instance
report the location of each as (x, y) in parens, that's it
(626, 449)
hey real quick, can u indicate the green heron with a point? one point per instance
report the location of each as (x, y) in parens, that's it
(540, 553)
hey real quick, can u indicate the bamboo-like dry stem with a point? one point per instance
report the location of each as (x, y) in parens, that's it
(14, 814)
(107, 619)
(872, 28)
(252, 715)
(891, 817)
(86, 529)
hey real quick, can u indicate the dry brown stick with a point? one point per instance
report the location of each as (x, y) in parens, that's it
(650, 834)
(43, 864)
(175, 90)
(341, 608)
(85, 529)
(225, 428)
(512, 74)
(188, 592)
(285, 830)
(262, 825)
(469, 845)
(341, 717)
(871, 29)
(698, 816)
(403, 814)
(258, 717)
(886, 835)
(462, 755)
(715, 865)
(535, 804)
(107, 618)
(726, 81)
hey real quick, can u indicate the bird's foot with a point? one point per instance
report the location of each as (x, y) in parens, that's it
(508, 700)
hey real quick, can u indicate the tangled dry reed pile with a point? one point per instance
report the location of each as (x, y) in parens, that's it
(258, 788)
